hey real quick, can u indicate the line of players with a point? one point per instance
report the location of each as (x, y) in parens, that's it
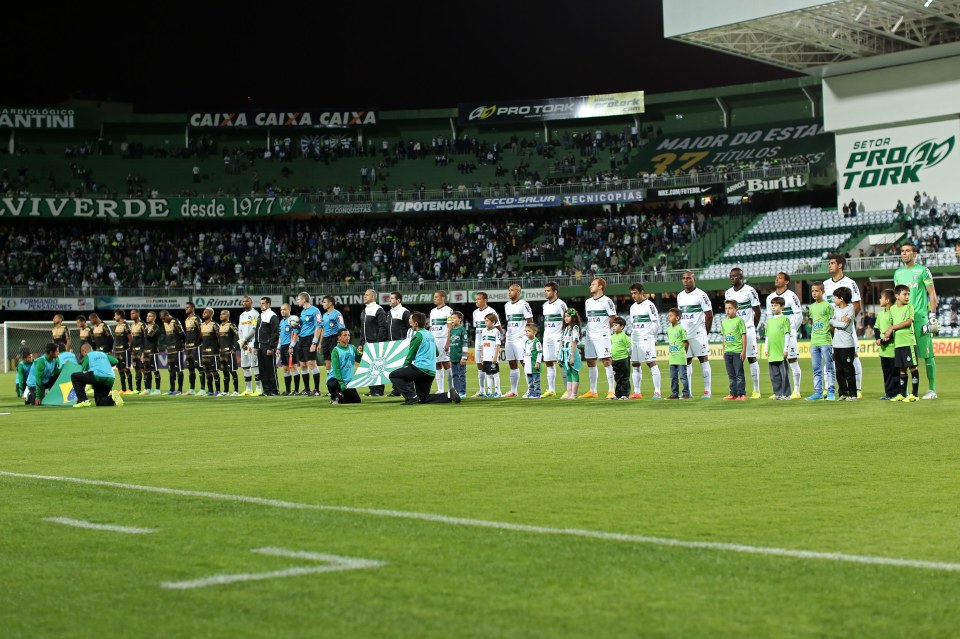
(696, 316)
(196, 345)
(210, 347)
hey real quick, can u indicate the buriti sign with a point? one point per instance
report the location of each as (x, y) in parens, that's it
(788, 183)
(882, 166)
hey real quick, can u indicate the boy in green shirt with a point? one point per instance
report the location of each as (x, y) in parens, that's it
(821, 345)
(532, 359)
(620, 353)
(458, 354)
(778, 330)
(734, 330)
(891, 378)
(677, 338)
(904, 343)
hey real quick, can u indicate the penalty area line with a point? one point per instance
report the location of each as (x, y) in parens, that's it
(522, 528)
(89, 525)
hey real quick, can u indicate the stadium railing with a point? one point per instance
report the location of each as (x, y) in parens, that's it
(854, 265)
(509, 190)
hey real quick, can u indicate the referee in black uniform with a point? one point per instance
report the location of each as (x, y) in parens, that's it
(268, 336)
(375, 328)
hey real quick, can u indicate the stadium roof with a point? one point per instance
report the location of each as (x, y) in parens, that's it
(812, 38)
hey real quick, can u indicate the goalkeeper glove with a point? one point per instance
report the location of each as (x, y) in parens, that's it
(933, 324)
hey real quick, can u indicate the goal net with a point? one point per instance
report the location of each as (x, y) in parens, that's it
(35, 336)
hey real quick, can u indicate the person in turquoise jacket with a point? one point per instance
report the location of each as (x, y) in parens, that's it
(97, 371)
(344, 356)
(43, 375)
(417, 375)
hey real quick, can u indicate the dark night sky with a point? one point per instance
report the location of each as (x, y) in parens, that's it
(348, 56)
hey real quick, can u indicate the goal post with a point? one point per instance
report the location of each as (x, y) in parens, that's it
(35, 336)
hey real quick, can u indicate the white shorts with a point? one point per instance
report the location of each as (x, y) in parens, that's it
(597, 347)
(551, 350)
(248, 358)
(645, 351)
(699, 346)
(751, 342)
(442, 355)
(514, 349)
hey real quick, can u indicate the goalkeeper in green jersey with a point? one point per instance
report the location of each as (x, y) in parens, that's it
(923, 298)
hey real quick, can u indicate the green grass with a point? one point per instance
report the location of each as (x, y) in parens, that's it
(871, 478)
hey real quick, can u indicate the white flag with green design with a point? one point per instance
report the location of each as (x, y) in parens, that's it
(378, 361)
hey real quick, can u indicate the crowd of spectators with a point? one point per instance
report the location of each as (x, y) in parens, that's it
(89, 255)
(570, 157)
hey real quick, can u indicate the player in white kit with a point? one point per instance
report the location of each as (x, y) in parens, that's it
(696, 317)
(553, 310)
(836, 280)
(479, 314)
(517, 314)
(645, 320)
(600, 309)
(793, 310)
(748, 308)
(441, 333)
(246, 334)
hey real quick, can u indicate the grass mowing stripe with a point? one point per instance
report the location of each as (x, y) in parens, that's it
(525, 528)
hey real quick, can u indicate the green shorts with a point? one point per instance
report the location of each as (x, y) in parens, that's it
(924, 343)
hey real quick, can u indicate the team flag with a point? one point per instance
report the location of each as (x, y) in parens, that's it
(378, 361)
(62, 393)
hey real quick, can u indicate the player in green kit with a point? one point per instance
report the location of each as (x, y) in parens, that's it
(923, 298)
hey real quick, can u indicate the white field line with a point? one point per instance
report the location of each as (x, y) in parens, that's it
(79, 523)
(523, 528)
(335, 563)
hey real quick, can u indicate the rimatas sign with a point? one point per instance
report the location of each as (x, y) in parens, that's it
(879, 167)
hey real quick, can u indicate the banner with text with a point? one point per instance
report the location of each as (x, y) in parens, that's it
(283, 119)
(236, 301)
(154, 303)
(607, 197)
(585, 106)
(518, 202)
(881, 166)
(409, 299)
(48, 303)
(353, 208)
(791, 183)
(683, 192)
(149, 208)
(432, 206)
(43, 118)
(737, 146)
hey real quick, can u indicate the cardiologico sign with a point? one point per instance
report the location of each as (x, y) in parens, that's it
(882, 166)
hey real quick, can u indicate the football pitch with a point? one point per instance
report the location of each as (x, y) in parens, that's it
(288, 517)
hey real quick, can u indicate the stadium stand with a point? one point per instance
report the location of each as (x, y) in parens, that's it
(91, 255)
(796, 239)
